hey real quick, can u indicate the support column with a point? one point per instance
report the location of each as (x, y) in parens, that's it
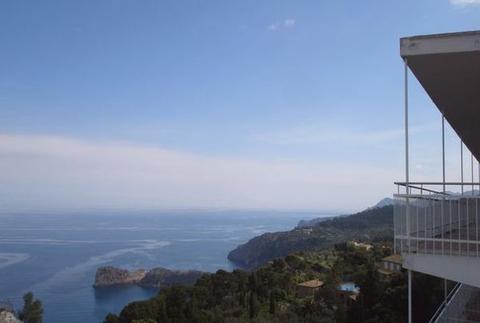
(461, 163)
(407, 184)
(407, 211)
(443, 154)
(445, 285)
(443, 185)
(409, 296)
(459, 219)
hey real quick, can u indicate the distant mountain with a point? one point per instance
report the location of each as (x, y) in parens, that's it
(371, 224)
(312, 222)
(384, 202)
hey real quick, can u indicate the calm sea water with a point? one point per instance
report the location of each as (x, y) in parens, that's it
(56, 255)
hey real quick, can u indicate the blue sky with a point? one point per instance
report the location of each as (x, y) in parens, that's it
(285, 104)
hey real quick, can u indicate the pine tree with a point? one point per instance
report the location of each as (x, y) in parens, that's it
(32, 311)
(111, 318)
(242, 300)
(272, 303)
(253, 282)
(163, 309)
(253, 305)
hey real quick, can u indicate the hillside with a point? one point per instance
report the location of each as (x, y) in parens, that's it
(272, 293)
(371, 224)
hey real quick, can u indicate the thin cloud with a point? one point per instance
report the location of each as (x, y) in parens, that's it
(289, 23)
(463, 3)
(286, 23)
(273, 27)
(335, 135)
(48, 172)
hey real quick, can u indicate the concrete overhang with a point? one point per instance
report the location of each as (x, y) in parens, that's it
(456, 268)
(448, 68)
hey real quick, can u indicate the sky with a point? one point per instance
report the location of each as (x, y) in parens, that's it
(149, 104)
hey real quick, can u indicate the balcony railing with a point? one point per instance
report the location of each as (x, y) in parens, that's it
(463, 305)
(432, 221)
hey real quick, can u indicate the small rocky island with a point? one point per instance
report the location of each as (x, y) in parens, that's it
(154, 278)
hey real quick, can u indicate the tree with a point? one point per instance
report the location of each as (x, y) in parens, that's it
(328, 292)
(253, 282)
(241, 299)
(163, 311)
(272, 303)
(370, 286)
(32, 311)
(111, 318)
(254, 307)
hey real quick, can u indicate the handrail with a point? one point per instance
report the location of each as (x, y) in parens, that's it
(438, 183)
(450, 197)
(424, 189)
(443, 306)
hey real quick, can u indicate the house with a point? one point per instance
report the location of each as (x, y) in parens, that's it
(391, 264)
(348, 292)
(308, 288)
(361, 245)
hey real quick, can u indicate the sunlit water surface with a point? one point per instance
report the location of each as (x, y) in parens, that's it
(56, 256)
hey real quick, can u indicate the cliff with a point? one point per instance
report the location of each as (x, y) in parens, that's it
(108, 276)
(8, 317)
(154, 278)
(371, 224)
(161, 277)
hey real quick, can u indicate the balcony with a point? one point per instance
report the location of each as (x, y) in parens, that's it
(432, 226)
(437, 223)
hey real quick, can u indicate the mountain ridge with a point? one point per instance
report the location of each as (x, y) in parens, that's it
(370, 224)
(312, 222)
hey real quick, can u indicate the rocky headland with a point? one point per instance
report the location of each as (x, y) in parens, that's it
(369, 225)
(153, 278)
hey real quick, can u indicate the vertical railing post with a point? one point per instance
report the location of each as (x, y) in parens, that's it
(451, 224)
(468, 225)
(416, 226)
(425, 246)
(471, 162)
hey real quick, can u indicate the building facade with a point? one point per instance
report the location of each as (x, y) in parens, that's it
(436, 222)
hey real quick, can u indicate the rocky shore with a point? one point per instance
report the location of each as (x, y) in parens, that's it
(154, 278)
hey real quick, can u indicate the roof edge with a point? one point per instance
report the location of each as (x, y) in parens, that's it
(467, 41)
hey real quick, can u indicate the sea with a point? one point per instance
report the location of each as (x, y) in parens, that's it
(55, 255)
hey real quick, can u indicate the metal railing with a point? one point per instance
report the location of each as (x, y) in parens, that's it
(443, 222)
(446, 305)
(464, 306)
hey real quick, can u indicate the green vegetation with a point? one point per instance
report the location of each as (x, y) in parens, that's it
(269, 293)
(369, 225)
(32, 311)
